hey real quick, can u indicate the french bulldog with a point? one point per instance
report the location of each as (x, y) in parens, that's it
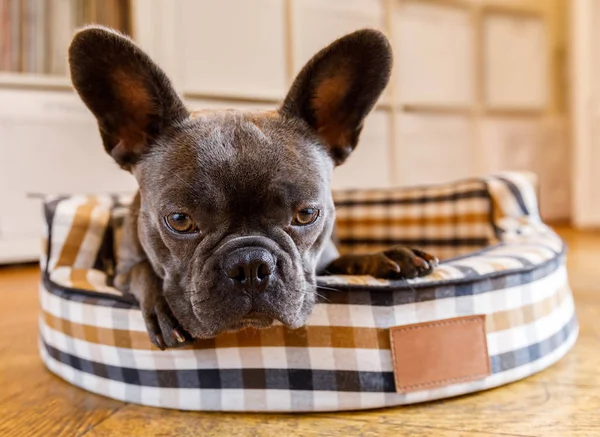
(234, 214)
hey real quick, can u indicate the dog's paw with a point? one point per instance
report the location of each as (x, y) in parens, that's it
(411, 263)
(395, 263)
(163, 329)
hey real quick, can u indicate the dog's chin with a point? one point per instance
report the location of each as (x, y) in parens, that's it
(252, 320)
(242, 314)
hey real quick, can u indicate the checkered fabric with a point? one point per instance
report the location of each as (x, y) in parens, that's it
(500, 261)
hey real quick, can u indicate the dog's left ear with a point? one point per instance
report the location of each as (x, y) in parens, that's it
(130, 96)
(338, 87)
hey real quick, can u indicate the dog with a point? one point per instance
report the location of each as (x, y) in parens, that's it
(234, 215)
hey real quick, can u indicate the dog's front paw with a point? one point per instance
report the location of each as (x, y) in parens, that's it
(163, 329)
(395, 263)
(412, 263)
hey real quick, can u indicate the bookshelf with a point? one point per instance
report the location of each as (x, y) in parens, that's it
(32, 80)
(48, 140)
(34, 34)
(236, 53)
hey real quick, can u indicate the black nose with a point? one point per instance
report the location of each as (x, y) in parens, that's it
(250, 268)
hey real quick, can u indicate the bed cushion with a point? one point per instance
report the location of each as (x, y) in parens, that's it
(501, 266)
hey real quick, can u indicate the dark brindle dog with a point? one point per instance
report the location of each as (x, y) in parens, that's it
(234, 215)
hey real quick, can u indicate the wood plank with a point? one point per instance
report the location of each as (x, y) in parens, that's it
(561, 401)
(527, 408)
(32, 400)
(136, 420)
(54, 408)
(20, 366)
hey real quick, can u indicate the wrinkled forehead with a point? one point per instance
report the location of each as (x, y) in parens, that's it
(227, 152)
(263, 139)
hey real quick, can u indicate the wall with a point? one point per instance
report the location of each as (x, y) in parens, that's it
(462, 102)
(437, 121)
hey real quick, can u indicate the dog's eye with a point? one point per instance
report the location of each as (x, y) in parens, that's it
(305, 216)
(180, 223)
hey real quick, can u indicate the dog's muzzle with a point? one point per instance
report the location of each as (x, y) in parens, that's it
(249, 269)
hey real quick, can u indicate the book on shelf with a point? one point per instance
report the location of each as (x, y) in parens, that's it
(35, 34)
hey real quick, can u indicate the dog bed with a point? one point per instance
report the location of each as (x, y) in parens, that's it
(498, 309)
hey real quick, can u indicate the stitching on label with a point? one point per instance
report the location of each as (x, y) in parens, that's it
(482, 343)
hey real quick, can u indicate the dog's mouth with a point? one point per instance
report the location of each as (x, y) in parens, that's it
(251, 320)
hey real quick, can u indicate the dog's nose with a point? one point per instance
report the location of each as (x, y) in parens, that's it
(250, 268)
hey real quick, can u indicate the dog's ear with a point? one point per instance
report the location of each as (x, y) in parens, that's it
(131, 97)
(339, 86)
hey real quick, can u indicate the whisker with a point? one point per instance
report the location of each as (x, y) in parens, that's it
(320, 296)
(323, 287)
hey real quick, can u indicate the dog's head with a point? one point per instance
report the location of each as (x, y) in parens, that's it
(235, 206)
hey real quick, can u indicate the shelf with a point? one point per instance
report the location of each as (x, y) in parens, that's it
(514, 112)
(20, 250)
(232, 97)
(34, 81)
(440, 108)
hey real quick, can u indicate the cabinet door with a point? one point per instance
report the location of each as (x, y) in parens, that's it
(436, 48)
(319, 22)
(49, 143)
(515, 77)
(433, 148)
(534, 146)
(509, 144)
(233, 47)
(369, 165)
(584, 52)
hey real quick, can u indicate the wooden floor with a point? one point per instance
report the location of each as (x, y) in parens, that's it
(561, 401)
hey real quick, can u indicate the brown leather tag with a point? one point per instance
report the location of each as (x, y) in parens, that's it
(439, 353)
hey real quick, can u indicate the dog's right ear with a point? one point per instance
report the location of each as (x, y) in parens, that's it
(130, 96)
(338, 87)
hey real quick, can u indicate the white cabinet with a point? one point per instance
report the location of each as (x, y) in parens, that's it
(433, 148)
(435, 122)
(534, 146)
(233, 48)
(368, 165)
(317, 23)
(436, 54)
(585, 105)
(49, 143)
(517, 77)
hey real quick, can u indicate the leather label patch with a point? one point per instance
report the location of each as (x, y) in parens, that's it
(440, 353)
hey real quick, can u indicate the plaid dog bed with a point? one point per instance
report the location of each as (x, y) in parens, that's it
(499, 262)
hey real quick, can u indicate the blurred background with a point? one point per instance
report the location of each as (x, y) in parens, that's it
(479, 86)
